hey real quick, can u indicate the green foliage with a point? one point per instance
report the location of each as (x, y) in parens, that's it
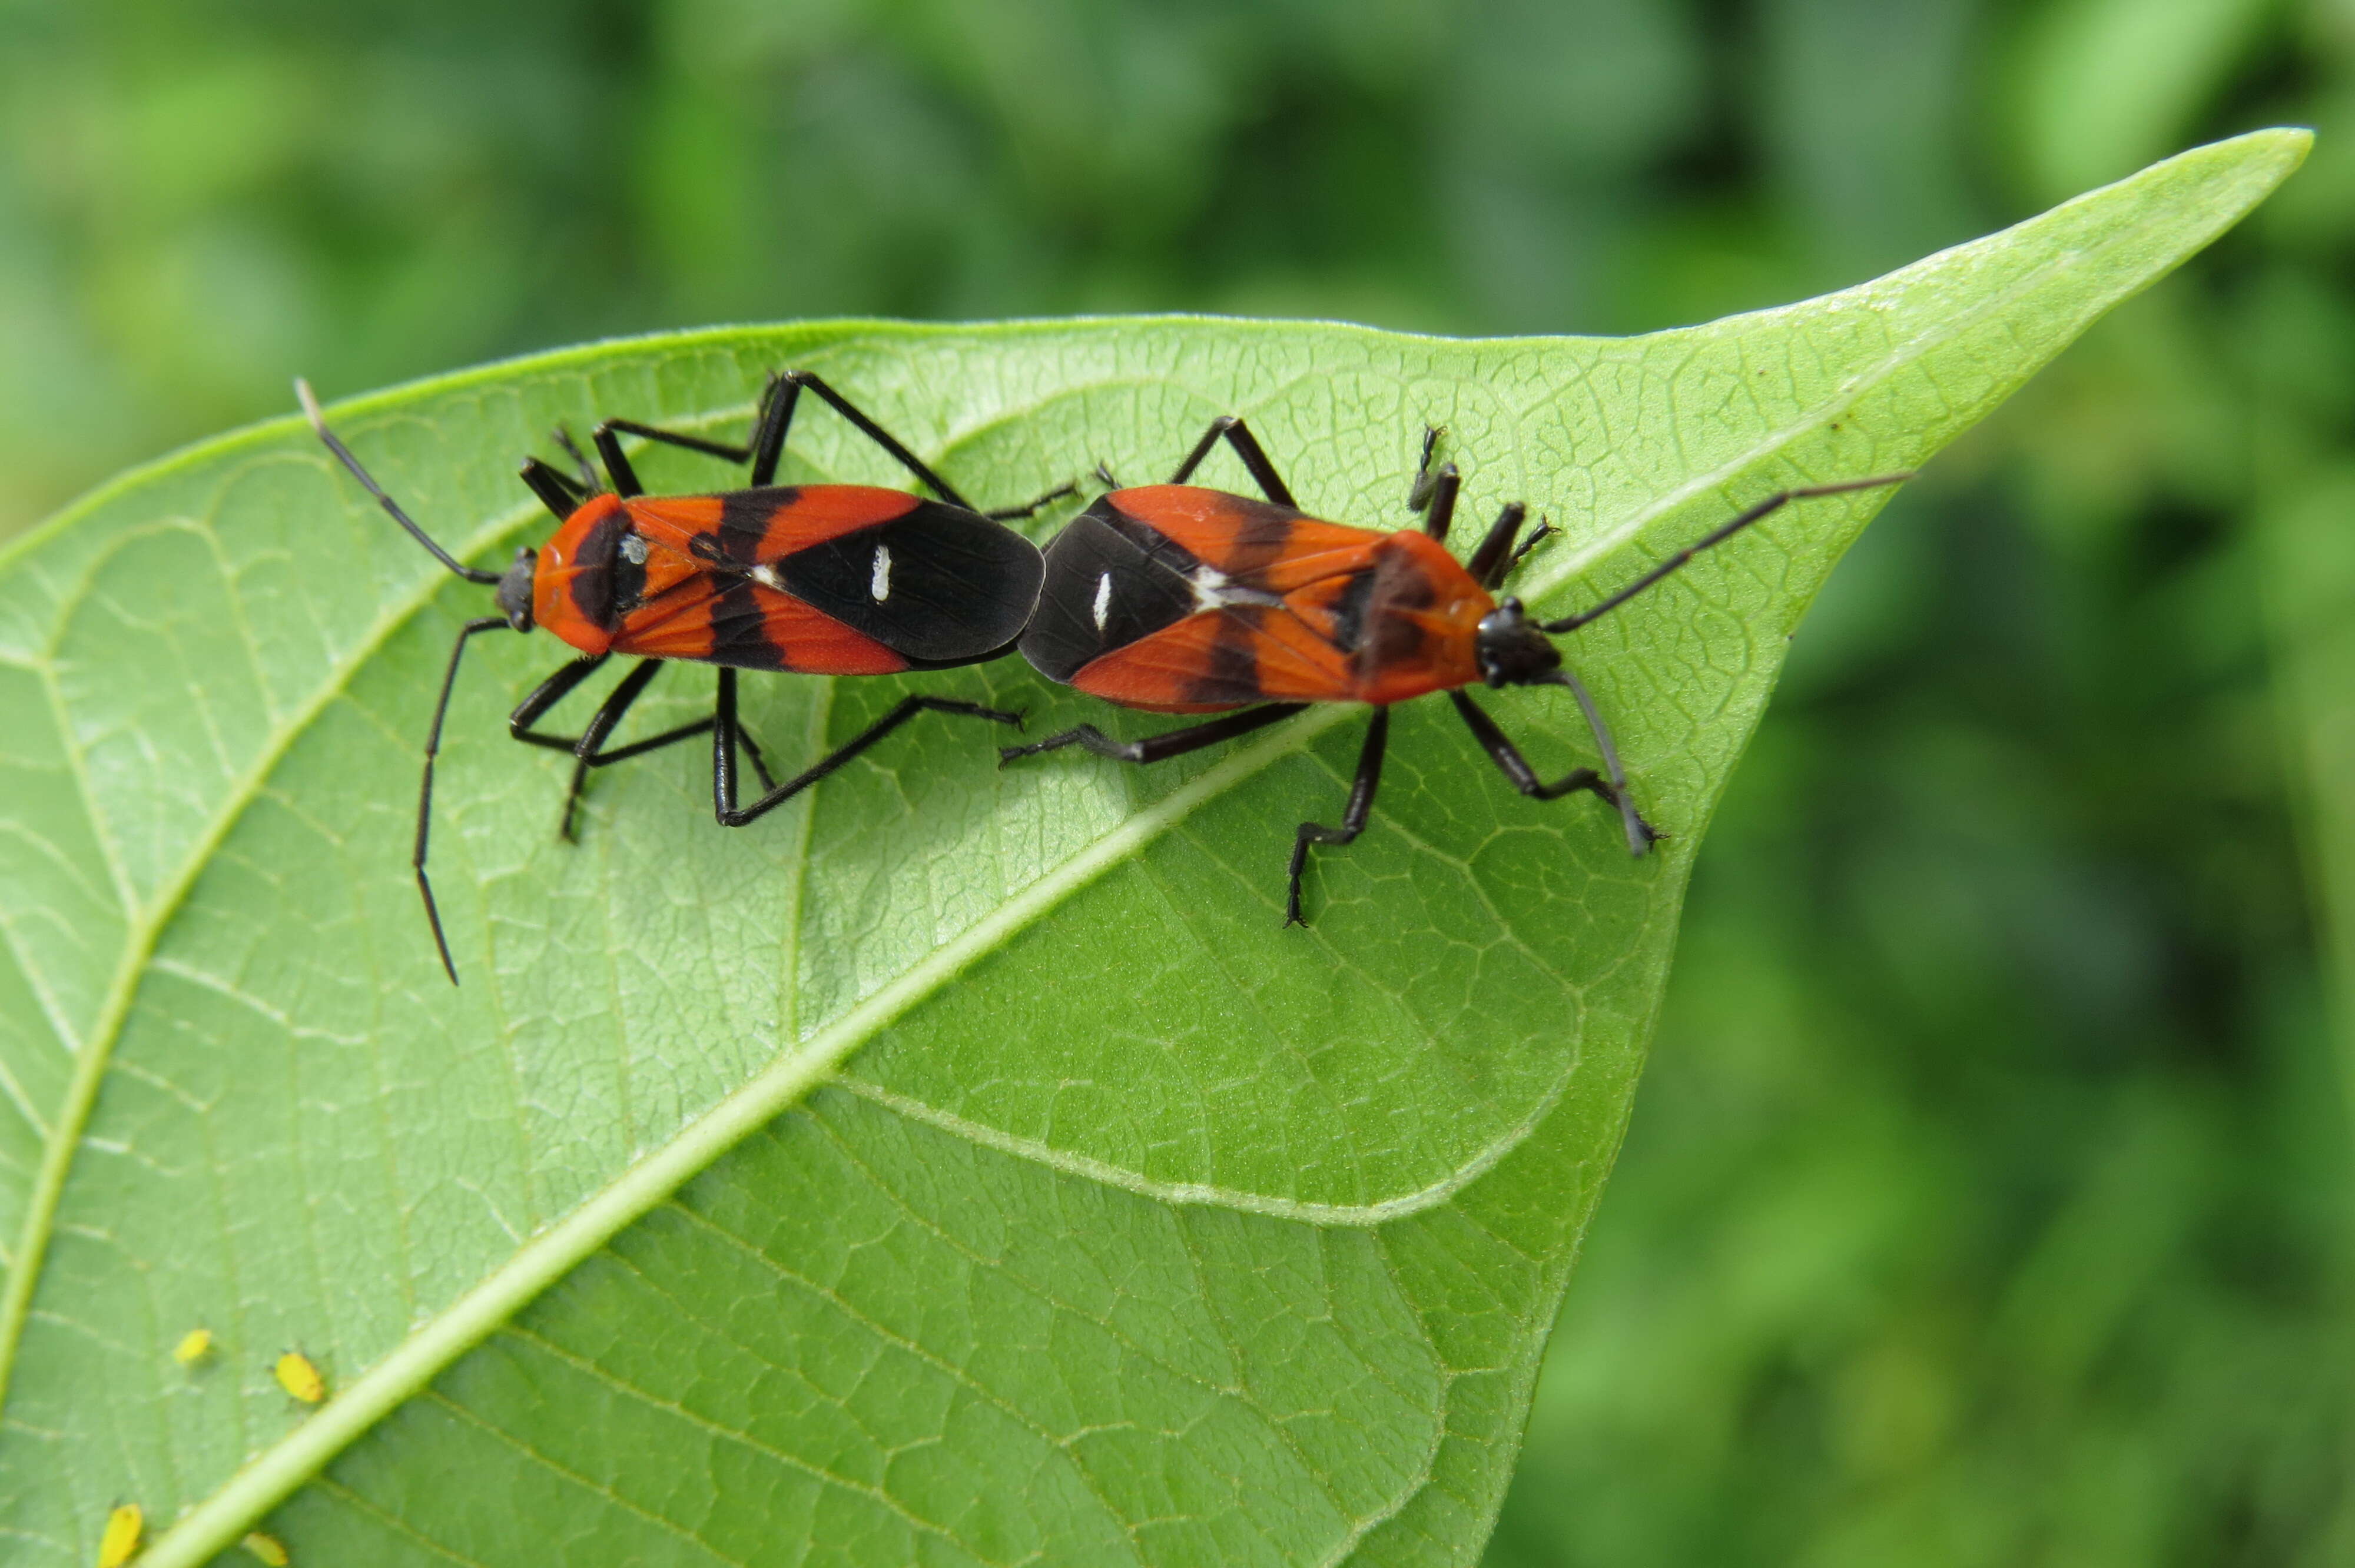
(1135, 1229)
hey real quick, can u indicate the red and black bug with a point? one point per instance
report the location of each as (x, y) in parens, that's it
(821, 579)
(1177, 599)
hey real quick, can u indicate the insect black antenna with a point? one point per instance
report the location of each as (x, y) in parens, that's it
(1765, 508)
(1640, 833)
(392, 508)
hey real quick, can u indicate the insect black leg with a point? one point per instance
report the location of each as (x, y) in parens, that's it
(1433, 492)
(775, 413)
(583, 747)
(1353, 815)
(723, 716)
(1008, 513)
(1517, 769)
(556, 492)
(586, 750)
(545, 696)
(769, 428)
(720, 450)
(1159, 747)
(1493, 556)
(1545, 531)
(617, 462)
(600, 724)
(608, 436)
(671, 736)
(723, 746)
(725, 733)
(425, 786)
(766, 449)
(794, 380)
(1193, 460)
(1765, 508)
(1232, 429)
(760, 763)
(1105, 477)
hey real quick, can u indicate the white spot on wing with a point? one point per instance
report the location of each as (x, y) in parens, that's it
(766, 576)
(1206, 582)
(634, 549)
(1213, 590)
(879, 588)
(1104, 600)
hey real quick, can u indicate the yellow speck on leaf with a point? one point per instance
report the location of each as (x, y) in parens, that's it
(194, 1346)
(122, 1538)
(269, 1548)
(298, 1377)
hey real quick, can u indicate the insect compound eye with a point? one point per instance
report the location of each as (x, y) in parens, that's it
(514, 592)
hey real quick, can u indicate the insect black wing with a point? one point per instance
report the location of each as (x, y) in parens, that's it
(938, 584)
(1111, 579)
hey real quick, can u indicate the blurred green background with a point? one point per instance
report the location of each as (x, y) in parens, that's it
(1988, 1200)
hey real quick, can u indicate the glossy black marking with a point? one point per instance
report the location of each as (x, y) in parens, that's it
(740, 632)
(1390, 636)
(1163, 552)
(744, 518)
(1151, 587)
(1348, 610)
(1396, 640)
(629, 575)
(593, 587)
(1402, 583)
(1231, 675)
(1262, 535)
(962, 588)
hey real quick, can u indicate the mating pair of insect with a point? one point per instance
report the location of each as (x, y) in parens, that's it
(1170, 597)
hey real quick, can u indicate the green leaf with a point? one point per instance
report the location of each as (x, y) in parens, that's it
(1137, 1228)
